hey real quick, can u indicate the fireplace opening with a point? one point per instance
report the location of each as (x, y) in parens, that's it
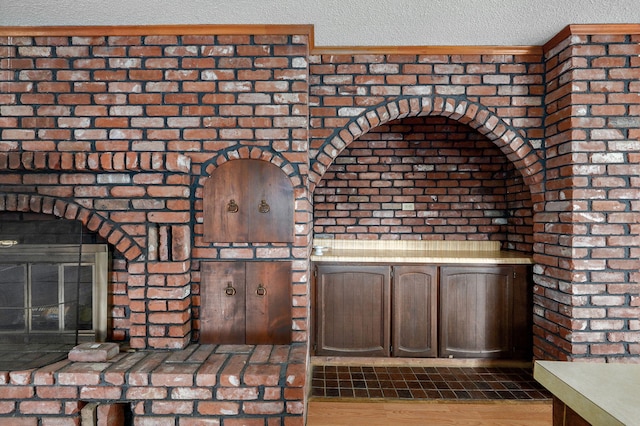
(53, 293)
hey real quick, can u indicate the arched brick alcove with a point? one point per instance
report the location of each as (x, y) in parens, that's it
(525, 159)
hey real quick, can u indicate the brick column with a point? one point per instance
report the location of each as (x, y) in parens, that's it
(587, 275)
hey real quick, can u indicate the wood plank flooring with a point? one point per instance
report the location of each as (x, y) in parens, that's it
(325, 412)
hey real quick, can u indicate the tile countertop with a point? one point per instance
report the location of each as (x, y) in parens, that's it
(415, 251)
(602, 394)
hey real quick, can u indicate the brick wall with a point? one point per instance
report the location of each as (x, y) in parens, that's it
(120, 133)
(461, 185)
(578, 117)
(498, 96)
(345, 87)
(109, 131)
(588, 257)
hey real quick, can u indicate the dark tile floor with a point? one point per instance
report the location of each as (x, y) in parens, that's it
(450, 383)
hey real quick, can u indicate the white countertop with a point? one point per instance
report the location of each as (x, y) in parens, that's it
(602, 394)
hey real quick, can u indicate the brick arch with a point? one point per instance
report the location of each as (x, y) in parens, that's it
(72, 211)
(516, 148)
(253, 153)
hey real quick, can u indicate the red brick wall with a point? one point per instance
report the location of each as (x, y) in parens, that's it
(119, 133)
(587, 245)
(500, 96)
(585, 208)
(344, 87)
(462, 187)
(519, 226)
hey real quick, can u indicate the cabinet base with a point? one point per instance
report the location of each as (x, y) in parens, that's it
(420, 362)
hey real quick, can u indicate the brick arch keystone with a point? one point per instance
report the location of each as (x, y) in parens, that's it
(72, 211)
(507, 138)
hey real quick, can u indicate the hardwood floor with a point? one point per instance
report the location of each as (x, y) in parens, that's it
(325, 412)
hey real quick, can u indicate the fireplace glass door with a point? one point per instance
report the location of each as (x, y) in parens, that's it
(49, 299)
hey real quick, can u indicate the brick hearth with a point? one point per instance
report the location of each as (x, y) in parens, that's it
(198, 385)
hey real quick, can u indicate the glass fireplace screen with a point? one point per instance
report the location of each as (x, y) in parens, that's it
(47, 297)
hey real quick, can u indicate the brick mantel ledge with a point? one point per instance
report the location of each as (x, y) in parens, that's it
(201, 383)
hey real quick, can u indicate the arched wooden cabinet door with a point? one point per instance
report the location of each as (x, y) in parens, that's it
(248, 201)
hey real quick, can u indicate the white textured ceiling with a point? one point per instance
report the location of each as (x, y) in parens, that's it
(345, 22)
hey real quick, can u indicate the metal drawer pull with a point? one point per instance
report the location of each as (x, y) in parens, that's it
(264, 207)
(229, 291)
(232, 207)
(261, 291)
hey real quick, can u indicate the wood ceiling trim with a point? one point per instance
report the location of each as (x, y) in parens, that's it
(142, 30)
(591, 29)
(427, 50)
(308, 29)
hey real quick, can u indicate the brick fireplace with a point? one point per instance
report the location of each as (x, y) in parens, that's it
(120, 132)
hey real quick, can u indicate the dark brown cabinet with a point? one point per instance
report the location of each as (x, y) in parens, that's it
(353, 310)
(248, 201)
(465, 311)
(245, 302)
(476, 304)
(415, 311)
(362, 311)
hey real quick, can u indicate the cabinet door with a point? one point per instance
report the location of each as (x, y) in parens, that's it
(476, 304)
(352, 310)
(245, 302)
(271, 203)
(222, 302)
(248, 201)
(415, 311)
(226, 213)
(268, 294)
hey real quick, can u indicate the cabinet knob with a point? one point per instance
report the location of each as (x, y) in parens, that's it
(264, 207)
(232, 207)
(261, 291)
(229, 291)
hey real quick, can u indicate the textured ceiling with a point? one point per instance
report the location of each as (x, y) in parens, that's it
(345, 22)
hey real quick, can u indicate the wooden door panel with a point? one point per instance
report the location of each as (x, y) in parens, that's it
(459, 311)
(268, 303)
(414, 311)
(353, 310)
(495, 293)
(222, 302)
(248, 201)
(272, 203)
(226, 213)
(476, 311)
